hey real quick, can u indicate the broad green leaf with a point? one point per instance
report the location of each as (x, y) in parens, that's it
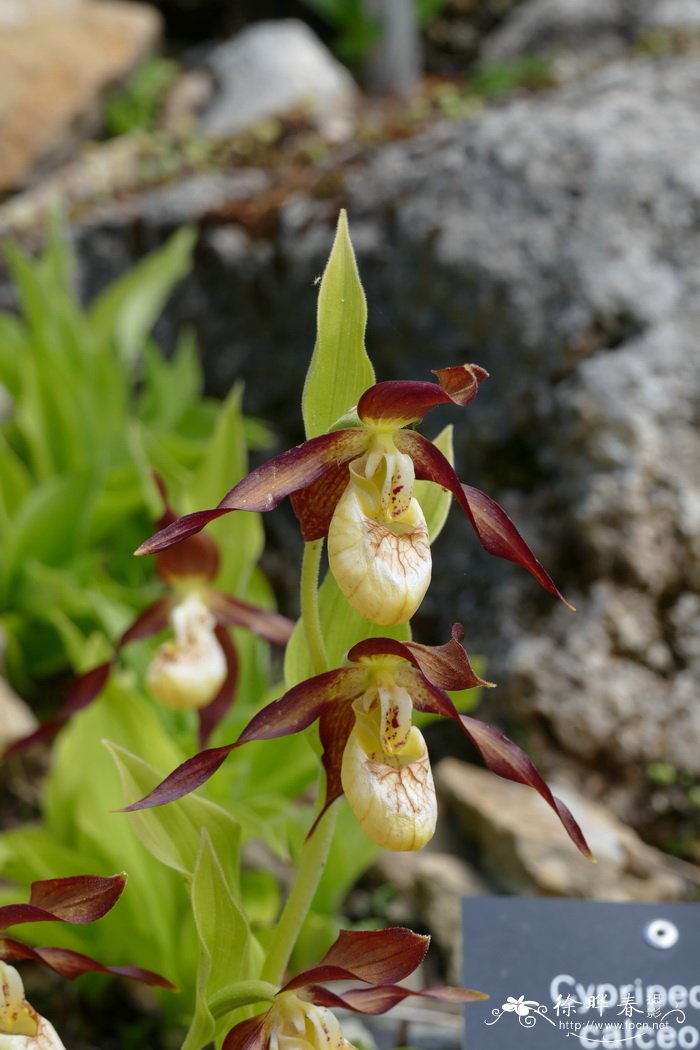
(15, 484)
(351, 855)
(172, 833)
(128, 309)
(340, 370)
(343, 627)
(50, 525)
(226, 952)
(170, 386)
(435, 501)
(240, 537)
(13, 346)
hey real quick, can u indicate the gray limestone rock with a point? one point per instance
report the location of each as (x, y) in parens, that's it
(525, 850)
(271, 69)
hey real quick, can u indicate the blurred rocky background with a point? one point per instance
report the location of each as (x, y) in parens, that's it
(527, 198)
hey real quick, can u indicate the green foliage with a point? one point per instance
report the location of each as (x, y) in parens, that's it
(81, 832)
(137, 105)
(96, 407)
(340, 370)
(496, 80)
(357, 30)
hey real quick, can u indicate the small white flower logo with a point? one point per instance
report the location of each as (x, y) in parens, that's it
(520, 1006)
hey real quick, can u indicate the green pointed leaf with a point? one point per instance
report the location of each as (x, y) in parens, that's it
(340, 370)
(343, 627)
(172, 833)
(435, 501)
(226, 946)
(128, 309)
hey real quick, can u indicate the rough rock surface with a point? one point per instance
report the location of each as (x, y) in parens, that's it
(555, 241)
(273, 68)
(522, 846)
(56, 58)
(587, 29)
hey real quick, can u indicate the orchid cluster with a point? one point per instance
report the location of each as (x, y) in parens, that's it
(378, 492)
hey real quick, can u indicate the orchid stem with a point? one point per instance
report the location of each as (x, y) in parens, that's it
(315, 850)
(311, 864)
(310, 615)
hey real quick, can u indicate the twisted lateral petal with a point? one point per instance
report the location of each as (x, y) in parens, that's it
(509, 761)
(494, 529)
(303, 704)
(232, 612)
(76, 899)
(263, 489)
(293, 712)
(501, 755)
(397, 403)
(382, 998)
(72, 964)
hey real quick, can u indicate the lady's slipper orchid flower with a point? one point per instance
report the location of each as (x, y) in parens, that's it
(355, 485)
(78, 899)
(198, 670)
(371, 751)
(299, 1017)
(21, 1027)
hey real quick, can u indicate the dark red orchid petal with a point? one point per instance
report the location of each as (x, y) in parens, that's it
(494, 529)
(335, 725)
(461, 382)
(248, 1035)
(383, 997)
(399, 402)
(72, 964)
(152, 620)
(446, 666)
(196, 555)
(293, 712)
(189, 558)
(210, 716)
(372, 956)
(303, 704)
(509, 761)
(87, 687)
(82, 691)
(232, 612)
(186, 778)
(77, 899)
(315, 505)
(263, 489)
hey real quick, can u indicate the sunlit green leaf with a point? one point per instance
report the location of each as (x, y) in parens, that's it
(226, 946)
(128, 309)
(172, 833)
(343, 627)
(340, 370)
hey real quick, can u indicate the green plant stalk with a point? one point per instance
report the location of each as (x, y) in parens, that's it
(315, 851)
(311, 864)
(310, 616)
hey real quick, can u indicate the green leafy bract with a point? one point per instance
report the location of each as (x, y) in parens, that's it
(340, 370)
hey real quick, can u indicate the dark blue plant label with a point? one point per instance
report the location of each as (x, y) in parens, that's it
(569, 974)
